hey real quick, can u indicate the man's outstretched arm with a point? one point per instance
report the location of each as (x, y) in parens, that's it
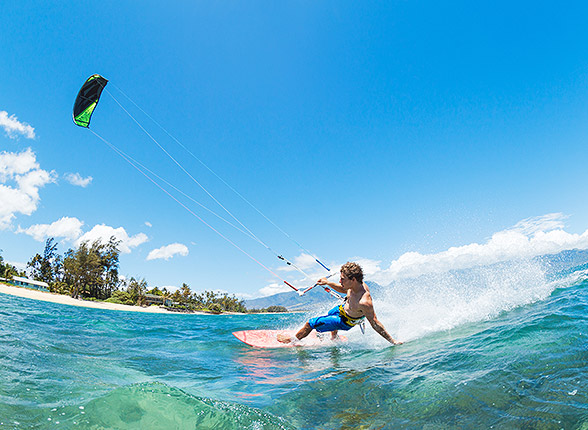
(333, 285)
(378, 326)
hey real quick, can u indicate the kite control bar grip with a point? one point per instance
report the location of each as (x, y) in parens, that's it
(291, 286)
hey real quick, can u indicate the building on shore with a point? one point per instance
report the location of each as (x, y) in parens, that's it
(27, 283)
(154, 299)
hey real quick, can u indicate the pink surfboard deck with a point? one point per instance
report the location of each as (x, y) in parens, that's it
(269, 339)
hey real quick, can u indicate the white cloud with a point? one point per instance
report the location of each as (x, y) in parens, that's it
(30, 182)
(303, 262)
(14, 128)
(104, 233)
(534, 225)
(70, 228)
(369, 267)
(20, 266)
(78, 180)
(66, 227)
(274, 288)
(20, 180)
(529, 238)
(148, 224)
(170, 288)
(16, 163)
(168, 251)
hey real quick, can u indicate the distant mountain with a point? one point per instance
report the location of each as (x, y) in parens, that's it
(293, 302)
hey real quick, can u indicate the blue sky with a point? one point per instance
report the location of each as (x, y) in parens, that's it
(379, 131)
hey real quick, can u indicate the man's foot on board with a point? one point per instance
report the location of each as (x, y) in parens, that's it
(284, 338)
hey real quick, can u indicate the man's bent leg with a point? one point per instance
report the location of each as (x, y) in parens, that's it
(302, 333)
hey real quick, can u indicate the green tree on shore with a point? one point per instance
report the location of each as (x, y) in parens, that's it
(110, 264)
(136, 289)
(92, 270)
(47, 267)
(7, 271)
(186, 293)
(206, 301)
(121, 297)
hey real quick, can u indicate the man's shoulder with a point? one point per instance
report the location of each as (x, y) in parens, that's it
(366, 299)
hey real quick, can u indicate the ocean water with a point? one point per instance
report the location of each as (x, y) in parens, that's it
(503, 347)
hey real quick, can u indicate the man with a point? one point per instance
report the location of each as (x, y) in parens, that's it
(357, 306)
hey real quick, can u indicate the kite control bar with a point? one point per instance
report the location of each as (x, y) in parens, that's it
(327, 289)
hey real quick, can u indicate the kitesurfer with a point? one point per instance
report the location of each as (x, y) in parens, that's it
(357, 306)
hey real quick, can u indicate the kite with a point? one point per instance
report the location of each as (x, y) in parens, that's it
(87, 100)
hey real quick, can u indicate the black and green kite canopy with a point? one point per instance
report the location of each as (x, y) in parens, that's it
(88, 99)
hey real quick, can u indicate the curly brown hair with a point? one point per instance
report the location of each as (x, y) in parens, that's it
(352, 271)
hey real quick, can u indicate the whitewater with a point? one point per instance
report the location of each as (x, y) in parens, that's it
(495, 337)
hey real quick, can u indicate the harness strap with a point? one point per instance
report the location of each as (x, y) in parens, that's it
(347, 319)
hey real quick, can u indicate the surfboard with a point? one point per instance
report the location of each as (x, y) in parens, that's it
(269, 339)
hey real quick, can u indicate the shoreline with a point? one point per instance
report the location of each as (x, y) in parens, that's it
(62, 299)
(67, 300)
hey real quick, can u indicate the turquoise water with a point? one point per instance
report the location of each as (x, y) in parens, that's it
(487, 351)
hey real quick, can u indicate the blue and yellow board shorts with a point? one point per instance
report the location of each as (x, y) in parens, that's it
(330, 322)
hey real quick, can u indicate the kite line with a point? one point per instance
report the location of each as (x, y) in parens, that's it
(84, 107)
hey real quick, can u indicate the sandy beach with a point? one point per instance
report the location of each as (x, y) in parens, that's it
(67, 300)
